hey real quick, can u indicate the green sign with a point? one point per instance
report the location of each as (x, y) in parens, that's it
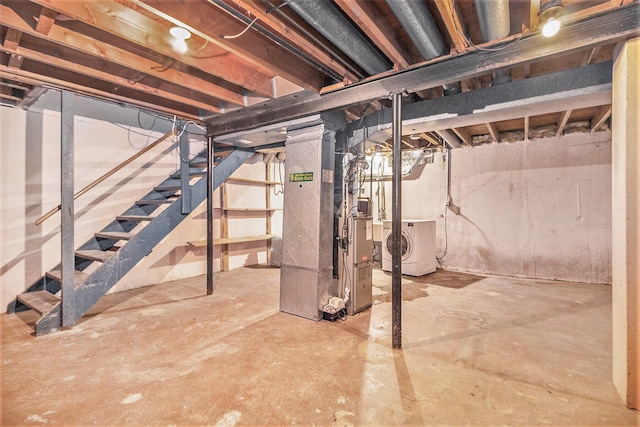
(301, 177)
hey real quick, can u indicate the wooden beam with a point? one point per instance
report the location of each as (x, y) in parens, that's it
(463, 134)
(453, 24)
(7, 93)
(90, 46)
(46, 20)
(280, 26)
(208, 22)
(362, 12)
(493, 132)
(179, 94)
(117, 19)
(600, 117)
(564, 118)
(37, 78)
(526, 128)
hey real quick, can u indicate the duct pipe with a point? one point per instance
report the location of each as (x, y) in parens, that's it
(493, 16)
(495, 24)
(419, 25)
(327, 19)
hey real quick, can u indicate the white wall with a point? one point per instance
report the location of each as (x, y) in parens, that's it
(30, 186)
(534, 209)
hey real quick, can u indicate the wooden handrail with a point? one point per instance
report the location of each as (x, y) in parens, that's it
(53, 211)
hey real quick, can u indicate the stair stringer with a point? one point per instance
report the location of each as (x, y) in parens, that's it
(115, 268)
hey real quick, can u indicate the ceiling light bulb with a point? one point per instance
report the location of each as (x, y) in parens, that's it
(180, 33)
(551, 27)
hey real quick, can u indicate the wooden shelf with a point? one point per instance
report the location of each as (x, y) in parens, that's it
(253, 181)
(231, 240)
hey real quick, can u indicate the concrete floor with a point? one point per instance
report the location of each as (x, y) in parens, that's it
(477, 350)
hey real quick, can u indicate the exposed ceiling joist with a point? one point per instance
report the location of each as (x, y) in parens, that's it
(134, 27)
(378, 30)
(564, 119)
(251, 46)
(619, 24)
(453, 24)
(284, 30)
(492, 131)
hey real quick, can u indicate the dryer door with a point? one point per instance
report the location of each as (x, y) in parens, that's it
(405, 245)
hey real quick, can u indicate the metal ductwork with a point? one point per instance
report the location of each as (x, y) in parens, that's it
(325, 18)
(495, 24)
(420, 26)
(494, 19)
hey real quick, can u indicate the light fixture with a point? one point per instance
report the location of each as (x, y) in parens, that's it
(179, 34)
(550, 11)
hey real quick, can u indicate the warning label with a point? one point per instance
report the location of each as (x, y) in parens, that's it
(301, 176)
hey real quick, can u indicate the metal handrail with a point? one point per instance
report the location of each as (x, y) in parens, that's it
(53, 211)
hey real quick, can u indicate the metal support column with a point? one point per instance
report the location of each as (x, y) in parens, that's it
(210, 187)
(185, 190)
(66, 203)
(396, 225)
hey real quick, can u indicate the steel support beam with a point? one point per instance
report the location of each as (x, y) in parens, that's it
(210, 187)
(185, 190)
(67, 212)
(583, 87)
(396, 225)
(617, 25)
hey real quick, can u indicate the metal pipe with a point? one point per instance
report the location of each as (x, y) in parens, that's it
(417, 21)
(210, 187)
(396, 225)
(185, 189)
(52, 212)
(66, 205)
(327, 19)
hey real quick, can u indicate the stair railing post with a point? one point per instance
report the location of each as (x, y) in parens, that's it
(185, 189)
(67, 212)
(210, 187)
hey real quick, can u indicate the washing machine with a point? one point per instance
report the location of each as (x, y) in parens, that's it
(418, 247)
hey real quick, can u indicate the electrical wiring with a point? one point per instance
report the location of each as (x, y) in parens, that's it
(140, 124)
(241, 32)
(280, 178)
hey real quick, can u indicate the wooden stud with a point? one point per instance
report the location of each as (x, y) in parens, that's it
(526, 128)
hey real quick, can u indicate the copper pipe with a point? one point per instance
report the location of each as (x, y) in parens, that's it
(53, 211)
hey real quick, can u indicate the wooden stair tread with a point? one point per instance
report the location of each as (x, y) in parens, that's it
(94, 254)
(39, 301)
(231, 240)
(114, 235)
(78, 278)
(135, 218)
(154, 201)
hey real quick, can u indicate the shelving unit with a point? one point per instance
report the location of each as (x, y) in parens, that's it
(224, 239)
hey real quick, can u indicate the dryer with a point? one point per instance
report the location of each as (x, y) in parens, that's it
(418, 244)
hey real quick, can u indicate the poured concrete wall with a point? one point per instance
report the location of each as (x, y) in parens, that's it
(537, 209)
(30, 186)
